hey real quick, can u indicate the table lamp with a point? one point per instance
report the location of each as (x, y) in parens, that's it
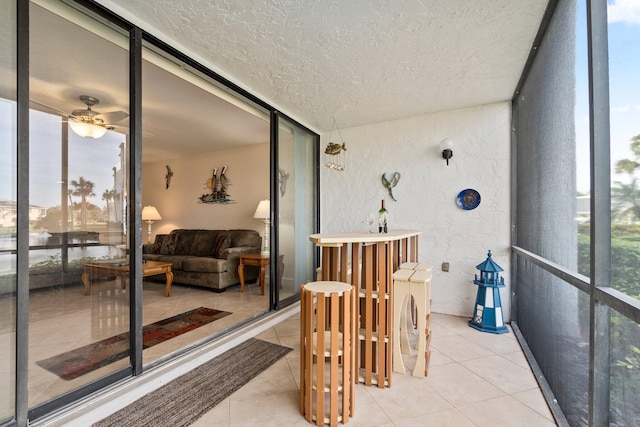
(150, 214)
(263, 213)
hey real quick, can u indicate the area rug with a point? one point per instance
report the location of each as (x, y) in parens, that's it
(182, 401)
(85, 359)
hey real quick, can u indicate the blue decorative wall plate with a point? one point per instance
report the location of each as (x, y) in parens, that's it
(468, 199)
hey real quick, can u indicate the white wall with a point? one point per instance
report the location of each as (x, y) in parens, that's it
(427, 191)
(248, 171)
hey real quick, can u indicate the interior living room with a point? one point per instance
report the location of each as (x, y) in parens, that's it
(160, 154)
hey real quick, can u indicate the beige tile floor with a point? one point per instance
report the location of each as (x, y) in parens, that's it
(475, 379)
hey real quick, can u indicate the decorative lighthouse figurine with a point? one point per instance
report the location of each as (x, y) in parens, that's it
(487, 316)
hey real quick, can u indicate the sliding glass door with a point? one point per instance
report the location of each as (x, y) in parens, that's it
(78, 134)
(8, 203)
(297, 206)
(74, 183)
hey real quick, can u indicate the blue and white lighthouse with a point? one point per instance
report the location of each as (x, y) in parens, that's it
(487, 315)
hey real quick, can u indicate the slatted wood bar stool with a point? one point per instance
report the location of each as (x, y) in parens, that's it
(327, 352)
(412, 281)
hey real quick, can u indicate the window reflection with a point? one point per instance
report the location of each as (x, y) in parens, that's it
(78, 71)
(8, 212)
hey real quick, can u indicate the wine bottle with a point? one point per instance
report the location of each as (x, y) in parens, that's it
(382, 219)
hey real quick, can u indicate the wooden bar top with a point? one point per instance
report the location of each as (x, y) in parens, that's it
(328, 239)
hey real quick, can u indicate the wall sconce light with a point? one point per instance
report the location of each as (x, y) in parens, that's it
(150, 214)
(263, 212)
(447, 149)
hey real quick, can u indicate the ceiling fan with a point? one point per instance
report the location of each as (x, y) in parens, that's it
(88, 122)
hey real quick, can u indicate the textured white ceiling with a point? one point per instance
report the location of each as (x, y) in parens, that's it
(360, 61)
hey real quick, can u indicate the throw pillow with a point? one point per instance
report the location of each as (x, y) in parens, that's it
(204, 243)
(223, 241)
(168, 246)
(157, 244)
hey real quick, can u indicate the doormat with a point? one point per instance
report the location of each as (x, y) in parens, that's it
(182, 401)
(80, 361)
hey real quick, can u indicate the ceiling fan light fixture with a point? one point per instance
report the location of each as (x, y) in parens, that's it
(85, 129)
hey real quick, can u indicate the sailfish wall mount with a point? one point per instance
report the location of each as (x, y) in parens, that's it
(218, 184)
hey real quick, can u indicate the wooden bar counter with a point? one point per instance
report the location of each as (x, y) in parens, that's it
(367, 261)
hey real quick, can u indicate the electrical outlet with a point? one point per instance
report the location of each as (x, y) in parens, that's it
(445, 266)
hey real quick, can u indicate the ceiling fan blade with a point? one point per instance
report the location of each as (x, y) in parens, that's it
(49, 107)
(113, 116)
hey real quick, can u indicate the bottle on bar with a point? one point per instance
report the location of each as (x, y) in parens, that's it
(382, 219)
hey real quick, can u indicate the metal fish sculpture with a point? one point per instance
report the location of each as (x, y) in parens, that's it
(390, 184)
(333, 148)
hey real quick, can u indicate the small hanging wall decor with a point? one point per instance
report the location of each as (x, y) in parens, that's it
(468, 199)
(167, 177)
(336, 150)
(282, 181)
(389, 184)
(218, 186)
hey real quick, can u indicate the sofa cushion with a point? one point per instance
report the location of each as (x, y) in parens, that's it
(168, 245)
(176, 260)
(204, 265)
(223, 241)
(185, 240)
(204, 243)
(154, 248)
(245, 238)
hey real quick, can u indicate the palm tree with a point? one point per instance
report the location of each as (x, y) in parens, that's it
(108, 195)
(625, 199)
(627, 165)
(82, 189)
(69, 194)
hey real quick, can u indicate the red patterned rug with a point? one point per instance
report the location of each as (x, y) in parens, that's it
(85, 359)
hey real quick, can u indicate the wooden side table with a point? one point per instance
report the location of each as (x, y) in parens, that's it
(258, 260)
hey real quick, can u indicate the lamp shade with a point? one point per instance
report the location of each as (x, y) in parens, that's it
(87, 129)
(446, 144)
(150, 213)
(263, 211)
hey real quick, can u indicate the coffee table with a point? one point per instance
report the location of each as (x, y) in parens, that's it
(121, 269)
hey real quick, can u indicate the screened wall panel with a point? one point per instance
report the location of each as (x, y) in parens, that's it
(551, 141)
(546, 152)
(625, 371)
(553, 317)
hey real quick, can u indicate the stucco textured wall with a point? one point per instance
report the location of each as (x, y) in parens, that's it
(427, 191)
